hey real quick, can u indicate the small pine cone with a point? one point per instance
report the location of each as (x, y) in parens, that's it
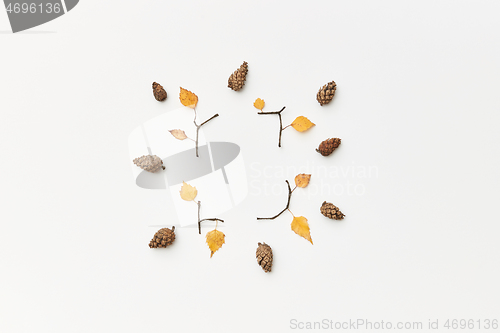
(265, 257)
(331, 211)
(237, 79)
(163, 238)
(328, 146)
(150, 163)
(325, 93)
(159, 93)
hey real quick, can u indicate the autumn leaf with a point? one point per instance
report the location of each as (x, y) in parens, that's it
(302, 124)
(188, 98)
(259, 104)
(188, 192)
(215, 239)
(178, 134)
(301, 227)
(302, 180)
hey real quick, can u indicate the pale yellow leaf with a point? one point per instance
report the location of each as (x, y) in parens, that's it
(302, 180)
(301, 227)
(302, 124)
(259, 104)
(215, 239)
(188, 98)
(178, 134)
(188, 192)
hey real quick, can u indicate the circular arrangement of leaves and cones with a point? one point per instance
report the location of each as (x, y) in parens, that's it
(216, 238)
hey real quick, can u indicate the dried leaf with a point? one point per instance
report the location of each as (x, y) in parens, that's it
(188, 98)
(259, 104)
(178, 134)
(302, 180)
(302, 124)
(188, 192)
(215, 239)
(301, 227)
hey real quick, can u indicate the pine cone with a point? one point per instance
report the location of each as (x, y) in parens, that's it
(328, 146)
(265, 257)
(237, 79)
(331, 211)
(163, 238)
(325, 93)
(159, 93)
(150, 163)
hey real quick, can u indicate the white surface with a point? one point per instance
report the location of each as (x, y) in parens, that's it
(417, 109)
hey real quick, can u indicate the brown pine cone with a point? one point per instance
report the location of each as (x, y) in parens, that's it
(163, 238)
(150, 163)
(325, 93)
(159, 93)
(265, 257)
(237, 79)
(331, 211)
(328, 146)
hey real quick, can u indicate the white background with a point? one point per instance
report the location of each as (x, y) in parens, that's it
(417, 99)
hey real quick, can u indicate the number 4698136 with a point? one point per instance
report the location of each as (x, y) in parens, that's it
(471, 324)
(34, 8)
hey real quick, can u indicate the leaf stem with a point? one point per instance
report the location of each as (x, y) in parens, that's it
(287, 205)
(281, 123)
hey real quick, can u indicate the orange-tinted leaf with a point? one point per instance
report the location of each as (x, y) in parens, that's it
(302, 180)
(188, 98)
(302, 124)
(301, 227)
(215, 239)
(178, 134)
(259, 104)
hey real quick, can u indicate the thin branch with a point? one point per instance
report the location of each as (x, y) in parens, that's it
(281, 123)
(199, 220)
(287, 205)
(199, 224)
(198, 128)
(272, 112)
(281, 130)
(206, 121)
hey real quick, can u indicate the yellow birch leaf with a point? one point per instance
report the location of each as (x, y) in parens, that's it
(188, 98)
(178, 134)
(301, 227)
(302, 124)
(188, 192)
(302, 180)
(215, 239)
(259, 104)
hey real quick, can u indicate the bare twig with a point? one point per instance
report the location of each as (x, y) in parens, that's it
(199, 220)
(281, 123)
(198, 128)
(287, 205)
